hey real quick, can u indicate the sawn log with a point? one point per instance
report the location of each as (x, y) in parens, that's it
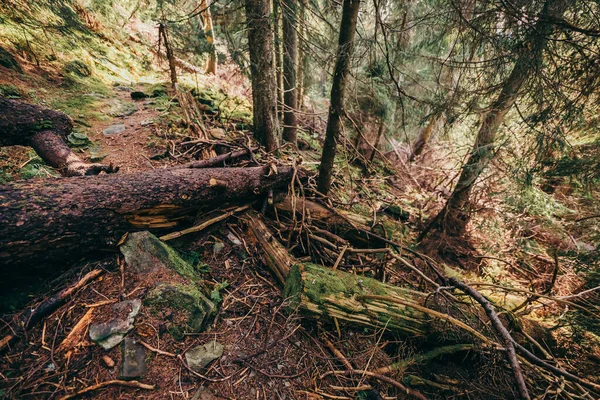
(44, 221)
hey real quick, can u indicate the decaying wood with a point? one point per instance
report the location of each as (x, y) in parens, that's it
(77, 333)
(328, 294)
(64, 218)
(45, 130)
(277, 258)
(221, 159)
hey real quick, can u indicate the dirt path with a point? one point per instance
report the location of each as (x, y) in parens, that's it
(130, 138)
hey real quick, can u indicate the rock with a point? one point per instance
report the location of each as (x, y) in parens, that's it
(123, 88)
(203, 393)
(145, 253)
(125, 109)
(200, 356)
(234, 239)
(137, 95)
(187, 299)
(217, 133)
(78, 68)
(96, 152)
(8, 61)
(114, 130)
(111, 333)
(78, 139)
(218, 247)
(109, 362)
(133, 364)
(147, 122)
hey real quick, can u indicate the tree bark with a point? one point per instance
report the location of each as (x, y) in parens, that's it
(55, 220)
(453, 218)
(260, 41)
(278, 57)
(45, 131)
(423, 138)
(338, 89)
(290, 59)
(211, 63)
(162, 33)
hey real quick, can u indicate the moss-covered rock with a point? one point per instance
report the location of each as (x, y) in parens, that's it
(8, 61)
(145, 253)
(186, 299)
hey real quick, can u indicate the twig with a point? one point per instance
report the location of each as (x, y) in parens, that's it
(155, 350)
(501, 329)
(379, 377)
(204, 225)
(131, 384)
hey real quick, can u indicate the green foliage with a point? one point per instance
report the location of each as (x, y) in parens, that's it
(534, 202)
(215, 295)
(11, 91)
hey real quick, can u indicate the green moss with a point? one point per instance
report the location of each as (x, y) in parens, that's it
(187, 299)
(78, 68)
(10, 91)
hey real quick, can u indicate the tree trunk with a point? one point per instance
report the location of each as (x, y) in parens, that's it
(162, 33)
(423, 138)
(338, 89)
(211, 63)
(45, 131)
(377, 140)
(301, 55)
(290, 59)
(260, 41)
(453, 218)
(55, 220)
(278, 57)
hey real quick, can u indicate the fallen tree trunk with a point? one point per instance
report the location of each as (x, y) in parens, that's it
(326, 294)
(61, 219)
(45, 130)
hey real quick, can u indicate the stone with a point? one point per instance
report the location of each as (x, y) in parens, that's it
(133, 364)
(200, 356)
(109, 362)
(124, 109)
(137, 95)
(218, 247)
(147, 122)
(111, 333)
(217, 133)
(188, 299)
(114, 130)
(145, 253)
(203, 393)
(121, 88)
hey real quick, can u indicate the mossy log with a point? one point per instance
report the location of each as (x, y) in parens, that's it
(45, 131)
(64, 218)
(327, 294)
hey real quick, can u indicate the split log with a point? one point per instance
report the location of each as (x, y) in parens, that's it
(45, 130)
(63, 218)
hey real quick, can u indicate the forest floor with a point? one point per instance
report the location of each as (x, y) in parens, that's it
(270, 352)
